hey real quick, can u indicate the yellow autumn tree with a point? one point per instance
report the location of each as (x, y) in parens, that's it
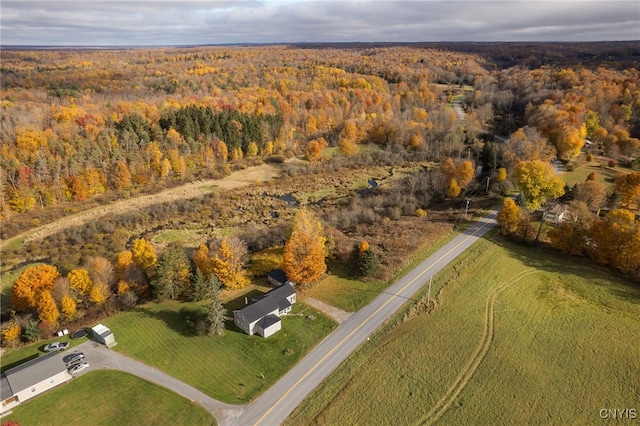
(144, 255)
(31, 282)
(538, 182)
(68, 307)
(501, 174)
(304, 252)
(10, 334)
(79, 281)
(509, 217)
(228, 264)
(46, 308)
(99, 293)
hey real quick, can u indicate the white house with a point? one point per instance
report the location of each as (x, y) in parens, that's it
(263, 316)
(32, 378)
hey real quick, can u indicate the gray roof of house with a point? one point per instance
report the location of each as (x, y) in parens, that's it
(259, 309)
(269, 302)
(268, 321)
(5, 389)
(31, 372)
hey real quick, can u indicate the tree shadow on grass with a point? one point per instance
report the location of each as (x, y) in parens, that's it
(544, 258)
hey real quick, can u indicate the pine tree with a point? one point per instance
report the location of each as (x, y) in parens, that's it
(173, 274)
(200, 290)
(216, 315)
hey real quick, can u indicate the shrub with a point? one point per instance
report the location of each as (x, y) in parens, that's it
(421, 213)
(32, 332)
(10, 334)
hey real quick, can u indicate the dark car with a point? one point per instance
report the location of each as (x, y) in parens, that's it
(56, 346)
(73, 358)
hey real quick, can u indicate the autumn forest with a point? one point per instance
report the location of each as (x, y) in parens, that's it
(432, 125)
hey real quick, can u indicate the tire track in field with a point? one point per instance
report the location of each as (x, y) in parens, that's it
(472, 365)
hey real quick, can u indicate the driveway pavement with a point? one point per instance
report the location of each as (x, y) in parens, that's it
(99, 357)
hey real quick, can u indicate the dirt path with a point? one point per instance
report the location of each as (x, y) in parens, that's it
(236, 179)
(467, 372)
(336, 314)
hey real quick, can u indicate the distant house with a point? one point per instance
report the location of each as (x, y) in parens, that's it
(558, 213)
(32, 378)
(103, 335)
(278, 277)
(263, 316)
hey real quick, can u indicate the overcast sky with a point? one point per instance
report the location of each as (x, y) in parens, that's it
(104, 23)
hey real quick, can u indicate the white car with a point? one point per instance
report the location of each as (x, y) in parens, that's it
(56, 346)
(77, 368)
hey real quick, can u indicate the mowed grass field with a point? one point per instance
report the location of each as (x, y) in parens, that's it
(119, 399)
(518, 337)
(232, 368)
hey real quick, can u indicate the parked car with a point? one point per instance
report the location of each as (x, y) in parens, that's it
(56, 346)
(76, 368)
(73, 358)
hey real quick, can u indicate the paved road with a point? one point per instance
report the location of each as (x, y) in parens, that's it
(275, 405)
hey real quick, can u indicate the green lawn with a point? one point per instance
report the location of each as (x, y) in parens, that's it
(563, 347)
(341, 290)
(233, 368)
(110, 398)
(604, 174)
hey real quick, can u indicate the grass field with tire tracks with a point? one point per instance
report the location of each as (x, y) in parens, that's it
(518, 337)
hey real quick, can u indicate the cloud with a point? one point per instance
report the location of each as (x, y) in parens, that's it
(210, 22)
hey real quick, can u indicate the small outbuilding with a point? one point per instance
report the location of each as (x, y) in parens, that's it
(103, 335)
(32, 378)
(277, 278)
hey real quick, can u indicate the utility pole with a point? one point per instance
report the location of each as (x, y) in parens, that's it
(466, 208)
(488, 178)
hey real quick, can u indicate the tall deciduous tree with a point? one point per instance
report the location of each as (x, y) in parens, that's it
(228, 265)
(616, 240)
(144, 255)
(628, 185)
(538, 182)
(31, 282)
(46, 307)
(304, 251)
(79, 281)
(510, 217)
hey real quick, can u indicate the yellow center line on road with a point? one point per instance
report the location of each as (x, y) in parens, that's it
(365, 321)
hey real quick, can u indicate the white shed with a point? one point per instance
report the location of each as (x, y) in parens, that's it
(103, 335)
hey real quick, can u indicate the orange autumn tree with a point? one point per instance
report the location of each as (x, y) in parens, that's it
(30, 283)
(304, 252)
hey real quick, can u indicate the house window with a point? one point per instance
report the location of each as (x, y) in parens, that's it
(33, 390)
(52, 380)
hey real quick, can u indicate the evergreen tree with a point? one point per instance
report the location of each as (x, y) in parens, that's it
(173, 274)
(200, 289)
(215, 318)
